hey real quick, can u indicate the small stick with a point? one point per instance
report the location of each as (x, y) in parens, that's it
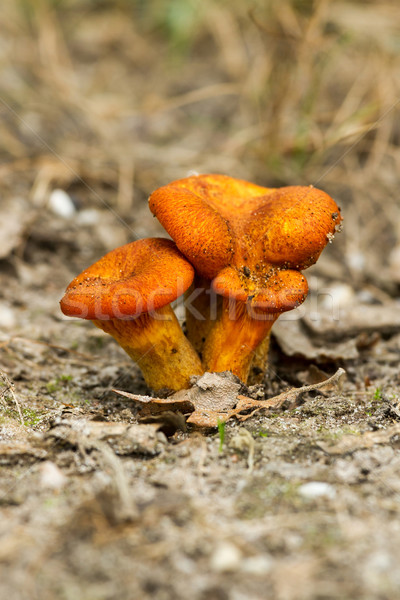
(10, 388)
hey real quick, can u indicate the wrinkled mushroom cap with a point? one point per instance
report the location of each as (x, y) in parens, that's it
(300, 221)
(138, 277)
(276, 292)
(199, 213)
(250, 240)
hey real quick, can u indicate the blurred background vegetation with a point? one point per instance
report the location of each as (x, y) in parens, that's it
(111, 99)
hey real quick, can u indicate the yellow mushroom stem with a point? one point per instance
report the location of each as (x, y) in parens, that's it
(156, 342)
(259, 363)
(237, 334)
(203, 309)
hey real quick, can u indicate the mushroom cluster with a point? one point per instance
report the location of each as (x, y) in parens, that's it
(238, 250)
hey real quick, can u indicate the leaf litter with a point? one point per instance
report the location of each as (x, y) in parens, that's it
(215, 398)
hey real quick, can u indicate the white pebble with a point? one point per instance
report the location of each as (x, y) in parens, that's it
(7, 317)
(380, 561)
(356, 261)
(226, 557)
(336, 296)
(257, 565)
(89, 216)
(60, 203)
(51, 477)
(317, 489)
(365, 297)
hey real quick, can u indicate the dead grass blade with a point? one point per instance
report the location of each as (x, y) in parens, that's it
(10, 388)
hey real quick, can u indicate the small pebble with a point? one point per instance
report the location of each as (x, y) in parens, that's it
(337, 296)
(89, 216)
(380, 561)
(365, 297)
(51, 477)
(317, 489)
(7, 317)
(257, 565)
(356, 261)
(226, 557)
(61, 204)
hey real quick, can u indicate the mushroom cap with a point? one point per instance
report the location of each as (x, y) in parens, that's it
(300, 221)
(252, 239)
(138, 277)
(217, 221)
(276, 292)
(199, 213)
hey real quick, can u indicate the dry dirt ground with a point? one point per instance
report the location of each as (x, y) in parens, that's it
(107, 101)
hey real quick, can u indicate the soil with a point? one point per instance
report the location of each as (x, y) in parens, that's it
(300, 502)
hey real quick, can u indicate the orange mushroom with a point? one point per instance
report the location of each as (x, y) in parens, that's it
(127, 293)
(203, 308)
(251, 242)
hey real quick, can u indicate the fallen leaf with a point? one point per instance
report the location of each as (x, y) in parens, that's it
(155, 406)
(214, 395)
(290, 397)
(354, 320)
(294, 340)
(215, 398)
(209, 400)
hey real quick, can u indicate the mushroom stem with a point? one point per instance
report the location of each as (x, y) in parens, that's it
(259, 363)
(156, 342)
(233, 340)
(202, 308)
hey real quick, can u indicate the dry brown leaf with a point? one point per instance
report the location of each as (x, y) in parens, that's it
(210, 400)
(355, 320)
(215, 398)
(154, 406)
(294, 340)
(289, 397)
